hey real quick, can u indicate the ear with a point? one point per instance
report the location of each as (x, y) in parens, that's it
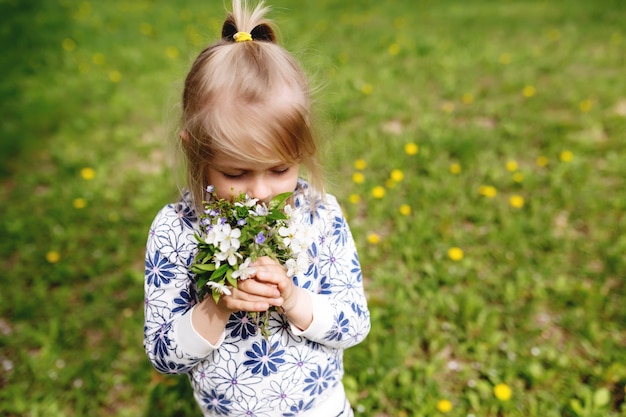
(183, 135)
(263, 32)
(229, 29)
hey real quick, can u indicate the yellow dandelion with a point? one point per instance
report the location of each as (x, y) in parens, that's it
(518, 177)
(585, 105)
(405, 210)
(146, 29)
(98, 59)
(455, 254)
(447, 107)
(516, 201)
(378, 192)
(566, 156)
(411, 149)
(115, 76)
(394, 49)
(358, 178)
(488, 191)
(396, 175)
(542, 161)
(171, 52)
(511, 165)
(360, 164)
(373, 238)
(502, 392)
(87, 173)
(505, 58)
(455, 168)
(354, 198)
(53, 257)
(367, 89)
(444, 406)
(68, 44)
(468, 98)
(529, 91)
(79, 203)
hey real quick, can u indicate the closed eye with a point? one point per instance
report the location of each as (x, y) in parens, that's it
(234, 175)
(281, 170)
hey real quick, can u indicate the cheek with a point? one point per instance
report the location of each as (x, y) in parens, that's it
(291, 182)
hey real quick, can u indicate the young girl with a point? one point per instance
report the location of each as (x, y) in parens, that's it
(246, 128)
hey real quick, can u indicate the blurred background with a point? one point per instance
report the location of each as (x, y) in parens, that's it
(477, 148)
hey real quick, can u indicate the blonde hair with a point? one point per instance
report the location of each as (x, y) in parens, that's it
(247, 99)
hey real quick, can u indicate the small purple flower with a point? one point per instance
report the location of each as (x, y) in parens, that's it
(222, 221)
(259, 239)
(241, 222)
(210, 189)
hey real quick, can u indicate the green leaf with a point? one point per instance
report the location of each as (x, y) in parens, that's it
(279, 200)
(276, 214)
(219, 272)
(229, 277)
(199, 268)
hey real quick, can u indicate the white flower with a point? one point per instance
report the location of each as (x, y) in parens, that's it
(250, 202)
(221, 288)
(260, 210)
(213, 235)
(288, 234)
(297, 266)
(229, 238)
(291, 265)
(230, 254)
(296, 237)
(247, 202)
(245, 270)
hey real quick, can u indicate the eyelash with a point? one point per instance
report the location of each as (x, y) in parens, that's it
(274, 171)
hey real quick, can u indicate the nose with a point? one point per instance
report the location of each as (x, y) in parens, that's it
(261, 189)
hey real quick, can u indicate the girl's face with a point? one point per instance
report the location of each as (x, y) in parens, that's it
(231, 176)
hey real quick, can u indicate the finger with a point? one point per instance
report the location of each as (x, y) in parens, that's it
(233, 304)
(245, 302)
(271, 274)
(266, 260)
(258, 288)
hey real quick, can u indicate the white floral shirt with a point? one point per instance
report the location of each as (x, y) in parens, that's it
(244, 374)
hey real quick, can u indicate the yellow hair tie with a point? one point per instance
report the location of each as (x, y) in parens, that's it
(242, 37)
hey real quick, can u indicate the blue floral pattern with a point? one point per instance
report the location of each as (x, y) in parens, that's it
(248, 375)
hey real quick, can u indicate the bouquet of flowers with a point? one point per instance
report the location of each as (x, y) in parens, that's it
(237, 231)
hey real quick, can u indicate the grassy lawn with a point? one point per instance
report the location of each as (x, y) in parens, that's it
(478, 149)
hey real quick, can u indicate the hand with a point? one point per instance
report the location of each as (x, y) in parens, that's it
(251, 295)
(270, 272)
(295, 302)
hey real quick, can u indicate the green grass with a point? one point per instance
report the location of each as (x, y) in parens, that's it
(537, 300)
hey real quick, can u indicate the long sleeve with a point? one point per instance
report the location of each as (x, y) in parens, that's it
(341, 317)
(295, 370)
(171, 343)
